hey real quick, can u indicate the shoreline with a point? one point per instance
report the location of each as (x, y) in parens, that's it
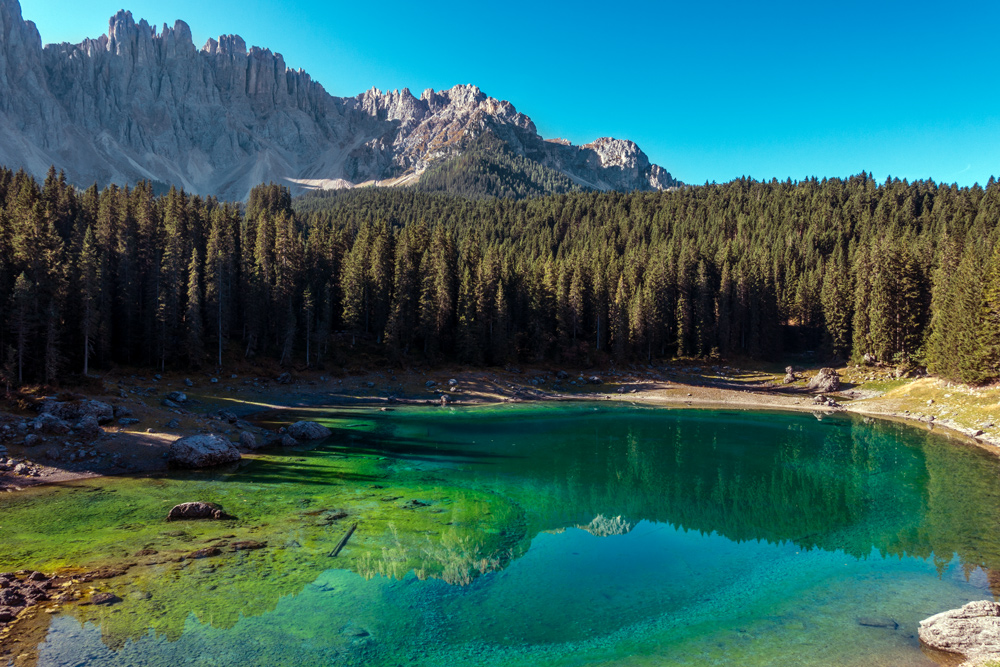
(734, 389)
(267, 404)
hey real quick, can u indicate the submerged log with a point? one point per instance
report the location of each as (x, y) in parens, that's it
(343, 541)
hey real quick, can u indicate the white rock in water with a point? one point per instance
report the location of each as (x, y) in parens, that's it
(972, 631)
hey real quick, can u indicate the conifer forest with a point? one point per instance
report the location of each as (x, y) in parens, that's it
(895, 272)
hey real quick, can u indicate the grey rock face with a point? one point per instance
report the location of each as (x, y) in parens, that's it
(972, 631)
(309, 431)
(145, 103)
(198, 451)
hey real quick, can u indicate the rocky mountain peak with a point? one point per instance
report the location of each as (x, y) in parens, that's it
(141, 104)
(227, 45)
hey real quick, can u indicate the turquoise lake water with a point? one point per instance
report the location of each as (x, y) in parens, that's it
(568, 534)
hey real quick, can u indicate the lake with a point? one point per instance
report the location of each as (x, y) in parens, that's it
(549, 534)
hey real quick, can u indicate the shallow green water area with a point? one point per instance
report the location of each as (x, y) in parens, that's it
(561, 534)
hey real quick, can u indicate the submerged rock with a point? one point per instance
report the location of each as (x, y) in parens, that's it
(972, 631)
(207, 552)
(247, 545)
(309, 431)
(196, 510)
(198, 451)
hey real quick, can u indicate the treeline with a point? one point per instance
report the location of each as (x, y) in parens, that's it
(901, 273)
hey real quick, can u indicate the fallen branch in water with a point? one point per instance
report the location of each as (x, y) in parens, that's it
(343, 541)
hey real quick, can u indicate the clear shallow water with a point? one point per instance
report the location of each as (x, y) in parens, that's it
(744, 538)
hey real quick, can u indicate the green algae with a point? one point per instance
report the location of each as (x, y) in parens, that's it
(473, 513)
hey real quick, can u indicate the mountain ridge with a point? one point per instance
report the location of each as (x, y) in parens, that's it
(140, 103)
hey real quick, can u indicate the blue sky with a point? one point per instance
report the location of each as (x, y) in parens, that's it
(709, 90)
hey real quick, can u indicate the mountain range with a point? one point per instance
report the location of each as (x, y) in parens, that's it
(141, 103)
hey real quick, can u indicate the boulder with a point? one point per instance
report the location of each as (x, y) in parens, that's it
(972, 631)
(32, 440)
(593, 379)
(11, 598)
(281, 440)
(177, 396)
(50, 424)
(228, 416)
(198, 451)
(825, 380)
(248, 440)
(75, 410)
(196, 510)
(309, 431)
(284, 378)
(88, 427)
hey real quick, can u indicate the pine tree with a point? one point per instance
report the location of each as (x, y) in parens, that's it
(89, 281)
(193, 323)
(309, 313)
(23, 319)
(837, 305)
(219, 266)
